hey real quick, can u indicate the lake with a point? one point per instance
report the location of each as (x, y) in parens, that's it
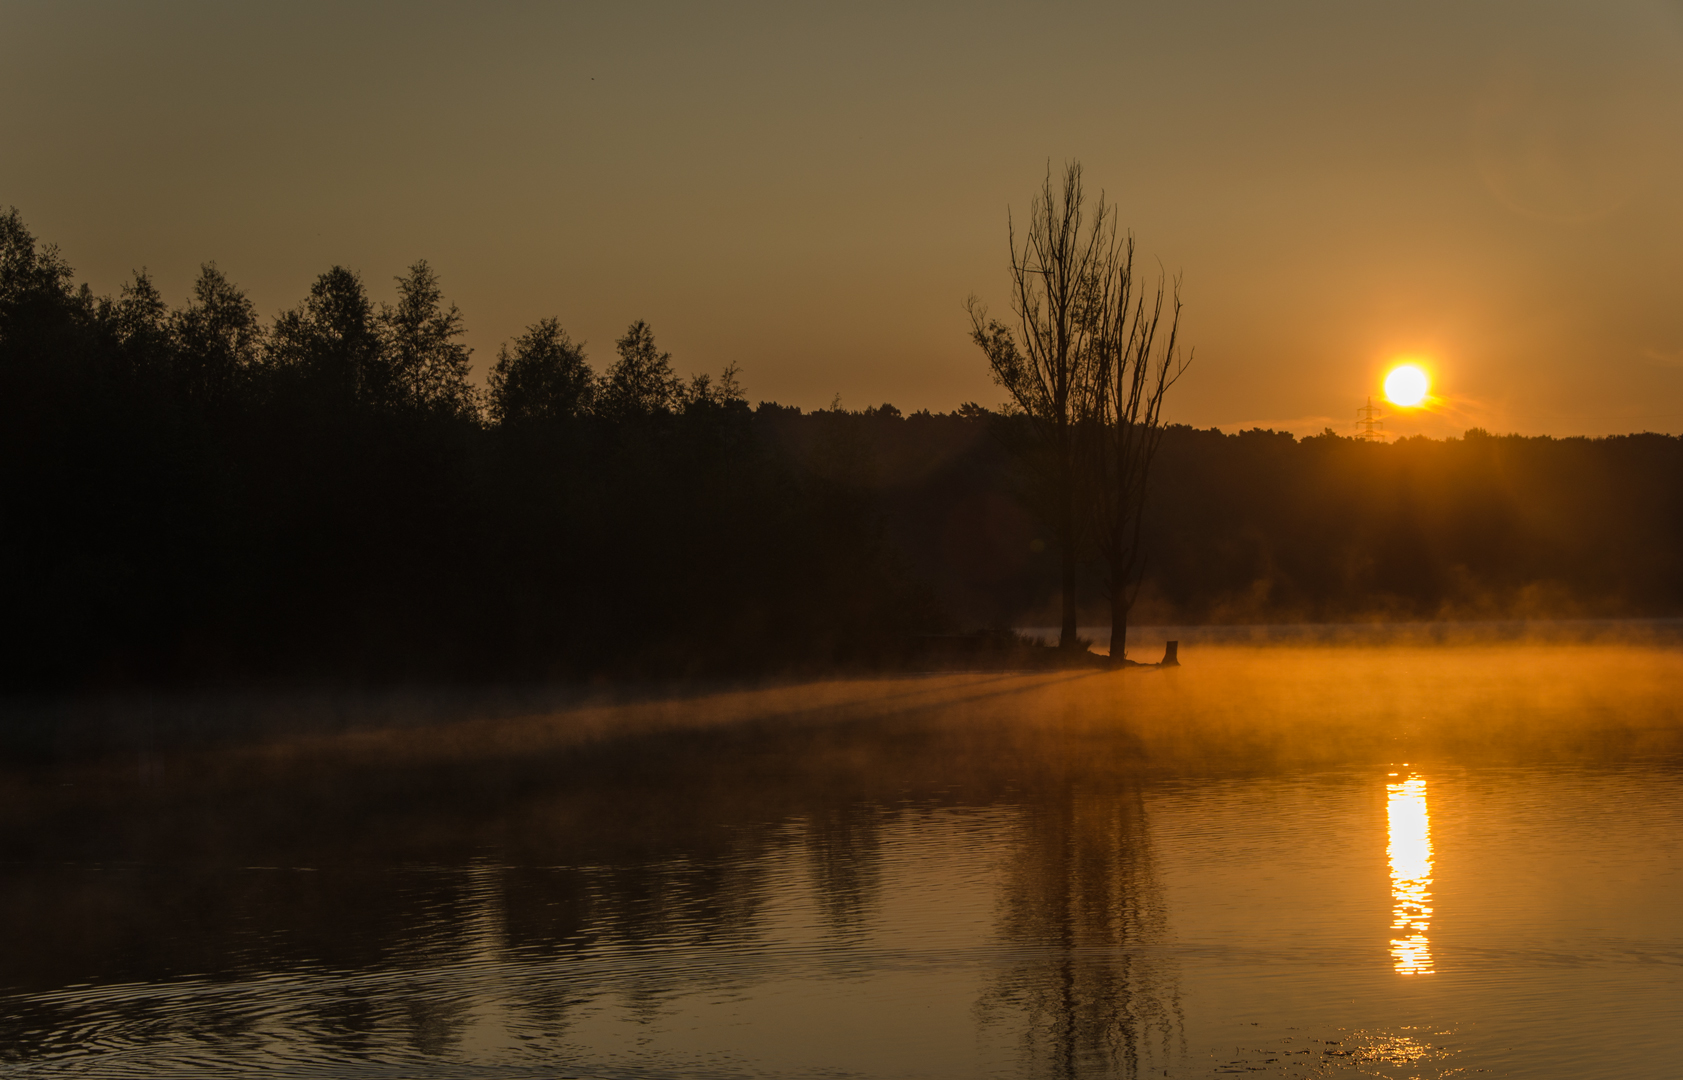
(1411, 859)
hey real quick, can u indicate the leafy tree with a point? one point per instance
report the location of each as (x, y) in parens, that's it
(703, 392)
(140, 313)
(426, 364)
(641, 382)
(544, 378)
(139, 320)
(218, 338)
(332, 343)
(31, 276)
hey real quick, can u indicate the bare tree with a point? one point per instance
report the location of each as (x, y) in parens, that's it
(1136, 362)
(1046, 361)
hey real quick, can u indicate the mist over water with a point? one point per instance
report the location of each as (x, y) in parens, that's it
(1402, 858)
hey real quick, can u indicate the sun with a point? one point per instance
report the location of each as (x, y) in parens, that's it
(1406, 385)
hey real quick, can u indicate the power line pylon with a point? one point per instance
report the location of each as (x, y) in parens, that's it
(1369, 422)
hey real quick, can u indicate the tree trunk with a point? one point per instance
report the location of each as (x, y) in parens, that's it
(1118, 622)
(1066, 637)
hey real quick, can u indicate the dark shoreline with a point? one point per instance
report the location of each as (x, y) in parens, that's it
(132, 722)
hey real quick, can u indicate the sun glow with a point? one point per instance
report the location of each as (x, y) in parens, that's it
(1406, 385)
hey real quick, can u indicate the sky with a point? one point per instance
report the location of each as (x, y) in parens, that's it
(811, 191)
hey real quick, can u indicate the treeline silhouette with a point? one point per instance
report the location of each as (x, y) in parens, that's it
(192, 494)
(1258, 526)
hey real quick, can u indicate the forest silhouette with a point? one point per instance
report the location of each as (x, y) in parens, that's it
(193, 495)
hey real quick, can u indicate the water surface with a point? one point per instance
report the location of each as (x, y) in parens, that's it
(1401, 862)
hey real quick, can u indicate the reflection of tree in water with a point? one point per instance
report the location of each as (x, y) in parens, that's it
(470, 912)
(842, 846)
(1082, 905)
(346, 1019)
(433, 1022)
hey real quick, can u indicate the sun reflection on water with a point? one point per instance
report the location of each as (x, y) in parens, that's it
(1411, 875)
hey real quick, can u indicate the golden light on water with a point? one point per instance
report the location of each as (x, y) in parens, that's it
(1411, 876)
(1406, 385)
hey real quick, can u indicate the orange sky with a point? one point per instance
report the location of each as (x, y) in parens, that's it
(812, 192)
